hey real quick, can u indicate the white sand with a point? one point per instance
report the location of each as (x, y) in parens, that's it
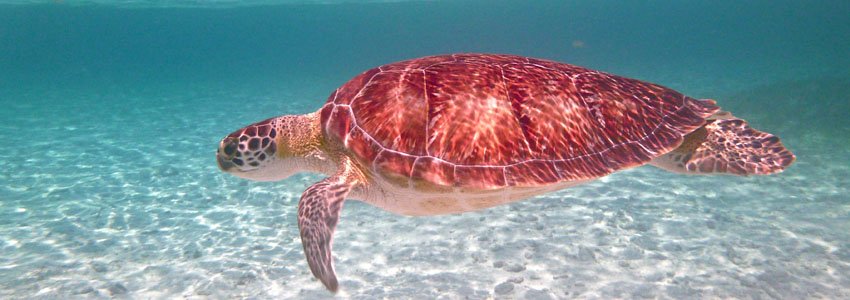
(111, 208)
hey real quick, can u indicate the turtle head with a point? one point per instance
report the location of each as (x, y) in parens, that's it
(260, 151)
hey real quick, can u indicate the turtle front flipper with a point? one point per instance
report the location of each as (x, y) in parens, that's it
(727, 145)
(318, 215)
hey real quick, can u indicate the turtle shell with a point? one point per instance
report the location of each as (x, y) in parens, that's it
(492, 121)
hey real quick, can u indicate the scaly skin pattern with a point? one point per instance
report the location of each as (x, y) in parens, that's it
(457, 133)
(727, 146)
(488, 122)
(254, 143)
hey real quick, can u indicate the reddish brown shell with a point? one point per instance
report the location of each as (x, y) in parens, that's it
(491, 121)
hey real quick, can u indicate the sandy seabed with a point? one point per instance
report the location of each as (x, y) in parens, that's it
(125, 201)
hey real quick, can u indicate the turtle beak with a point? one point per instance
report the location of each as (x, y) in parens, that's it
(226, 151)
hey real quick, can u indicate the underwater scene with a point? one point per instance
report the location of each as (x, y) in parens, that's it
(113, 113)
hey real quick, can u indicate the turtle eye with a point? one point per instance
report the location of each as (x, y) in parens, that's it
(229, 150)
(229, 147)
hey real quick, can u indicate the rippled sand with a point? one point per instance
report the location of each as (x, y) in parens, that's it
(115, 193)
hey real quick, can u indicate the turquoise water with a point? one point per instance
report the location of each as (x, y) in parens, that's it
(112, 112)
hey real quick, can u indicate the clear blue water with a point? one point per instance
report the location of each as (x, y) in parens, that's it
(112, 111)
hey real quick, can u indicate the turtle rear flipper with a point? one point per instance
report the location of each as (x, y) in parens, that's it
(727, 146)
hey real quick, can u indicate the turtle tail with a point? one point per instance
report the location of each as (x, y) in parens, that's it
(727, 145)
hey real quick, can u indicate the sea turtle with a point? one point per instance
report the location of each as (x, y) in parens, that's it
(463, 132)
